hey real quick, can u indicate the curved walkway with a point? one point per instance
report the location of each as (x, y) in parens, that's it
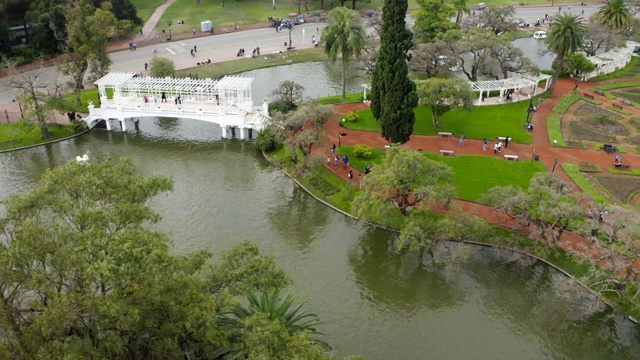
(540, 145)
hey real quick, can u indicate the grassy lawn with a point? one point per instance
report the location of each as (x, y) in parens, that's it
(573, 170)
(219, 70)
(243, 12)
(145, 8)
(337, 99)
(475, 175)
(16, 135)
(472, 175)
(68, 102)
(482, 122)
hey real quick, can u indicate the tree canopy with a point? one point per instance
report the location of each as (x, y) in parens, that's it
(82, 276)
(443, 95)
(393, 94)
(565, 37)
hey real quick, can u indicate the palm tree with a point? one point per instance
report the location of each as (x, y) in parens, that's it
(566, 33)
(275, 307)
(344, 36)
(461, 9)
(615, 16)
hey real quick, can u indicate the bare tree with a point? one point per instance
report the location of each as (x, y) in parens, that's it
(30, 87)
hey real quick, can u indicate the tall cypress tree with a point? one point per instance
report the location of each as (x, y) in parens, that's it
(393, 94)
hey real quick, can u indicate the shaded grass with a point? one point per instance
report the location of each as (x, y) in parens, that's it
(15, 135)
(221, 69)
(573, 170)
(482, 122)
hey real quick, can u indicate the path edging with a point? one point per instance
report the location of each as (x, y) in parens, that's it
(45, 143)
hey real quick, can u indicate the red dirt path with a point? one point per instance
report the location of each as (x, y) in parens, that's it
(540, 145)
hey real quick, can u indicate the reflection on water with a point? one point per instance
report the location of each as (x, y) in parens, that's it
(374, 301)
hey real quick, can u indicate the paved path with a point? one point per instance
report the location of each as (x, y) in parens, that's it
(149, 27)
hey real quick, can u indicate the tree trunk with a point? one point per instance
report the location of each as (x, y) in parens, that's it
(436, 119)
(41, 120)
(556, 74)
(353, 4)
(344, 76)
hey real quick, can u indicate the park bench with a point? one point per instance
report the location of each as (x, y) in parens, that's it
(291, 48)
(627, 102)
(445, 134)
(504, 138)
(511, 157)
(599, 92)
(387, 147)
(623, 167)
(447, 152)
(589, 96)
(619, 107)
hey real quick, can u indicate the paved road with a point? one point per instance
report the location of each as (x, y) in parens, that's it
(224, 47)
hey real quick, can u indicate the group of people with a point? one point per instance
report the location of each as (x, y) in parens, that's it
(204, 62)
(345, 162)
(618, 161)
(497, 147)
(194, 51)
(132, 46)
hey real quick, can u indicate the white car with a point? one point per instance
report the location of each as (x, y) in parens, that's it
(539, 35)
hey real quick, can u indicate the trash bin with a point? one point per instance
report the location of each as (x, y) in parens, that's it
(536, 157)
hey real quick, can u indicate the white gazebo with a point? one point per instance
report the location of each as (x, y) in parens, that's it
(515, 83)
(129, 87)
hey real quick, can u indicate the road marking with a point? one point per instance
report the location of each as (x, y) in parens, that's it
(181, 43)
(171, 51)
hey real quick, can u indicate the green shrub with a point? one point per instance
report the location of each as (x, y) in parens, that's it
(78, 125)
(280, 107)
(352, 116)
(267, 140)
(362, 151)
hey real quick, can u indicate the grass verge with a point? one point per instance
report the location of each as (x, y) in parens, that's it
(16, 135)
(635, 172)
(221, 69)
(554, 130)
(598, 146)
(618, 85)
(573, 170)
(621, 111)
(565, 103)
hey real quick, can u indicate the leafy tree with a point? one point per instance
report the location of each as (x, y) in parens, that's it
(162, 67)
(123, 10)
(343, 36)
(393, 94)
(549, 204)
(443, 95)
(267, 310)
(474, 43)
(82, 277)
(267, 140)
(433, 19)
(461, 9)
(497, 19)
(48, 23)
(88, 33)
(303, 128)
(615, 16)
(595, 37)
(287, 94)
(565, 37)
(578, 62)
(404, 180)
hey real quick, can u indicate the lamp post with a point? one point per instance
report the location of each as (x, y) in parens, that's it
(290, 26)
(555, 162)
(170, 22)
(530, 109)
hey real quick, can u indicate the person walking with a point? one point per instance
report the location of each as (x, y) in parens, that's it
(499, 146)
(506, 142)
(146, 66)
(345, 160)
(328, 160)
(350, 176)
(495, 148)
(462, 137)
(333, 149)
(485, 142)
(163, 97)
(336, 161)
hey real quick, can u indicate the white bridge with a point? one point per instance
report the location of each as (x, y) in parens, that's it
(226, 102)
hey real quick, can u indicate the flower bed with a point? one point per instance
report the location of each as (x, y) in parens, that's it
(595, 110)
(622, 187)
(604, 123)
(635, 122)
(579, 130)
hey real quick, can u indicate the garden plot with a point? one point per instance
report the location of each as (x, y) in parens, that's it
(590, 109)
(622, 187)
(606, 124)
(580, 130)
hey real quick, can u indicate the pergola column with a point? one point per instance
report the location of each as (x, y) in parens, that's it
(242, 133)
(123, 124)
(224, 131)
(480, 99)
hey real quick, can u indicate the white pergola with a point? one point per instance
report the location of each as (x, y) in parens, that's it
(230, 90)
(515, 83)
